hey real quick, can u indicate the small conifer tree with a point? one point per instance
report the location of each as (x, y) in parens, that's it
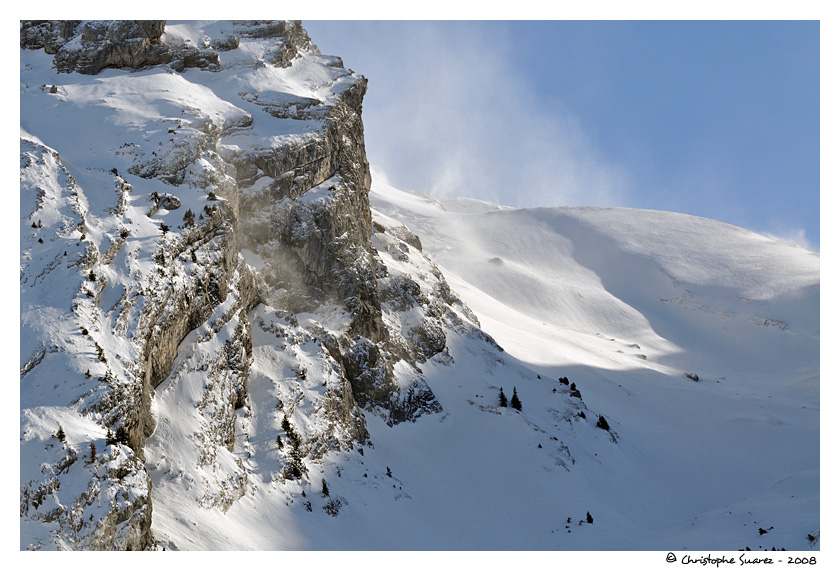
(60, 434)
(502, 398)
(122, 435)
(325, 490)
(514, 400)
(589, 518)
(92, 453)
(296, 462)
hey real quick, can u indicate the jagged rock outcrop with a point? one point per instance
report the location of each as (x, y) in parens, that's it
(90, 47)
(179, 242)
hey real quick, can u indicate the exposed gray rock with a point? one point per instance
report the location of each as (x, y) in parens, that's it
(91, 46)
(229, 42)
(48, 35)
(170, 202)
(114, 488)
(291, 38)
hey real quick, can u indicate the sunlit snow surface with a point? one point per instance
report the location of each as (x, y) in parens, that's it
(625, 303)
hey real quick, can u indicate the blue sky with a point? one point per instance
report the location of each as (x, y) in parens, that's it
(718, 119)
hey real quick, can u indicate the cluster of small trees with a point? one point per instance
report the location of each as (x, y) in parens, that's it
(189, 219)
(121, 437)
(514, 400)
(573, 390)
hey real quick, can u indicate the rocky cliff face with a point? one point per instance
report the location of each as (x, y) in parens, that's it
(209, 203)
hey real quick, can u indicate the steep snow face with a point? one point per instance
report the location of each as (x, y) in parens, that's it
(629, 303)
(691, 290)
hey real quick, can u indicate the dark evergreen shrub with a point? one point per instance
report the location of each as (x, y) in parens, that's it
(502, 398)
(122, 435)
(514, 400)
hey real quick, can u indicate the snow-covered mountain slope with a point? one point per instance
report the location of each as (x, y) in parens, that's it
(628, 303)
(224, 347)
